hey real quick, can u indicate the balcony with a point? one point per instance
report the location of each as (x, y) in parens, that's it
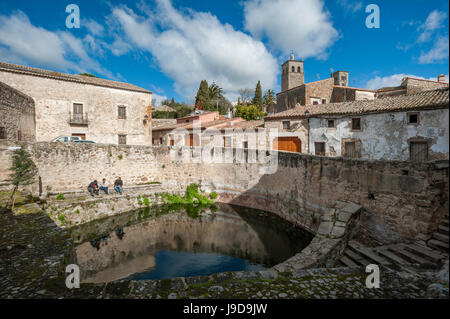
(78, 119)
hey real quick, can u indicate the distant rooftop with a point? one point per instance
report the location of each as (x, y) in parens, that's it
(438, 98)
(14, 68)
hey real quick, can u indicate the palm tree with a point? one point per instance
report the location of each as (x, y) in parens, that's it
(215, 92)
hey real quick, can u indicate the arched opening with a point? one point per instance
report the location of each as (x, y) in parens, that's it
(293, 69)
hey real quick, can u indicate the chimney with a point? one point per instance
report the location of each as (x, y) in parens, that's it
(441, 78)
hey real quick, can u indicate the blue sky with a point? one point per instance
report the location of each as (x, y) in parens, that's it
(169, 46)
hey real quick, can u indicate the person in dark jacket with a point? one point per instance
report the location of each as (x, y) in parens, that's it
(118, 185)
(93, 188)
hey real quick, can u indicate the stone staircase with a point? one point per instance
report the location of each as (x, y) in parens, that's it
(439, 239)
(396, 257)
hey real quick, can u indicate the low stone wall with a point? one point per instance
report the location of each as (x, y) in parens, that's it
(400, 199)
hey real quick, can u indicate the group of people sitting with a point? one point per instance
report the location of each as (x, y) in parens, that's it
(94, 187)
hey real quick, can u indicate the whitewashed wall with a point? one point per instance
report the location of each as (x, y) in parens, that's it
(385, 136)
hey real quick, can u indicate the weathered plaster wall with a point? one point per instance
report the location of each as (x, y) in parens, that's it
(54, 102)
(17, 113)
(385, 136)
(407, 198)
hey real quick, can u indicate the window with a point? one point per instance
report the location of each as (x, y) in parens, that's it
(19, 135)
(122, 139)
(356, 124)
(160, 140)
(315, 102)
(171, 141)
(227, 141)
(331, 123)
(299, 70)
(293, 69)
(413, 118)
(245, 144)
(153, 140)
(320, 148)
(2, 133)
(350, 149)
(324, 101)
(418, 151)
(286, 125)
(122, 112)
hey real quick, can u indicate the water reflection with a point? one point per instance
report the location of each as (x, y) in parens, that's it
(175, 244)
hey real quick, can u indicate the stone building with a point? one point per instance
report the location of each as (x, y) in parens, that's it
(294, 91)
(406, 127)
(75, 105)
(184, 130)
(17, 115)
(411, 85)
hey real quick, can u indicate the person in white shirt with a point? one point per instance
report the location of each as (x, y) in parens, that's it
(104, 186)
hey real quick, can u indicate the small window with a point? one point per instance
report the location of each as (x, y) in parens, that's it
(19, 135)
(122, 139)
(293, 69)
(324, 101)
(315, 102)
(299, 70)
(245, 144)
(286, 125)
(356, 124)
(331, 123)
(172, 141)
(122, 112)
(153, 140)
(319, 148)
(413, 118)
(160, 140)
(2, 133)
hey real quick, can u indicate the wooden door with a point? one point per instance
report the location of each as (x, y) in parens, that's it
(418, 151)
(350, 149)
(189, 140)
(78, 112)
(289, 144)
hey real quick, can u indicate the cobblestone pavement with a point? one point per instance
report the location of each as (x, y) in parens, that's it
(34, 253)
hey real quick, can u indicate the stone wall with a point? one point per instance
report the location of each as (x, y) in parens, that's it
(54, 101)
(414, 86)
(404, 197)
(16, 115)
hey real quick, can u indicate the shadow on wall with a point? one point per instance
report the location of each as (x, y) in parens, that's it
(401, 200)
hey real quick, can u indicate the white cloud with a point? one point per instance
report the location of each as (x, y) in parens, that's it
(192, 46)
(350, 6)
(21, 42)
(302, 26)
(439, 52)
(93, 27)
(435, 20)
(393, 80)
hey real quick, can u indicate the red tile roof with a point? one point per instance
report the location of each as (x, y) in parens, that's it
(432, 99)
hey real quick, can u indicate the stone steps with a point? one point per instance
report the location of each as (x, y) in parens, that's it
(438, 245)
(348, 262)
(443, 230)
(393, 257)
(368, 253)
(356, 257)
(425, 252)
(440, 237)
(411, 257)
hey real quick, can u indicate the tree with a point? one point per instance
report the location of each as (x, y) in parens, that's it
(249, 112)
(202, 97)
(269, 97)
(23, 172)
(215, 92)
(245, 94)
(257, 99)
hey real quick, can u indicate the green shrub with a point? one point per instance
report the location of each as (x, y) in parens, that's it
(213, 195)
(120, 156)
(60, 197)
(62, 219)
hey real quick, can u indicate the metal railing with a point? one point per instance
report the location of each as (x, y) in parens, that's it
(78, 118)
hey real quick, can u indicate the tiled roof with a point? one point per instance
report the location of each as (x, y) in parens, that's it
(245, 124)
(438, 98)
(8, 67)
